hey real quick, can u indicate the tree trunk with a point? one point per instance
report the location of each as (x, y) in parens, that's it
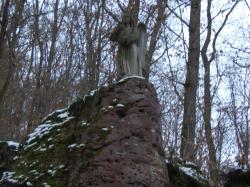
(191, 84)
(52, 50)
(212, 162)
(161, 4)
(7, 56)
(4, 64)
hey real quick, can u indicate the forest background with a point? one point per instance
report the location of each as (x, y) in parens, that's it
(198, 52)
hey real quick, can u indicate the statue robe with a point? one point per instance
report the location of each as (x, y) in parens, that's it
(131, 51)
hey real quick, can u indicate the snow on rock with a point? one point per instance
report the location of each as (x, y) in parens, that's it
(80, 145)
(14, 145)
(84, 123)
(72, 146)
(52, 172)
(29, 183)
(30, 145)
(61, 166)
(44, 129)
(120, 105)
(110, 107)
(63, 115)
(56, 112)
(185, 173)
(45, 185)
(191, 172)
(9, 176)
(130, 77)
(39, 132)
(42, 150)
(92, 92)
(190, 163)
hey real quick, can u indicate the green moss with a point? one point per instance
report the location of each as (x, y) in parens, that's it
(68, 145)
(51, 151)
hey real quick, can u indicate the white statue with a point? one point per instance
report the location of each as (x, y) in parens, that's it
(132, 47)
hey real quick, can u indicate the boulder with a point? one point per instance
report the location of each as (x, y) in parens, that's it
(9, 151)
(185, 174)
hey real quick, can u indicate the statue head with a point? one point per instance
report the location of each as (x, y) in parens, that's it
(127, 18)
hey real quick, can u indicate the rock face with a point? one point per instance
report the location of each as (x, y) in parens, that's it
(110, 138)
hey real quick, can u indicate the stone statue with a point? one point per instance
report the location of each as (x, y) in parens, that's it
(132, 42)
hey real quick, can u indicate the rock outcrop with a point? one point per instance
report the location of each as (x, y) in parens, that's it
(9, 151)
(185, 174)
(110, 138)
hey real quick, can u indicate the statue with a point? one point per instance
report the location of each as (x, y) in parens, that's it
(132, 42)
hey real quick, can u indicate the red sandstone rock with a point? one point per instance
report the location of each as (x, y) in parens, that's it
(131, 155)
(109, 139)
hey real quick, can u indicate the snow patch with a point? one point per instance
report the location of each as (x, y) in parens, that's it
(52, 172)
(84, 123)
(61, 166)
(191, 172)
(104, 109)
(45, 185)
(120, 105)
(30, 145)
(191, 163)
(92, 92)
(40, 131)
(80, 145)
(44, 129)
(49, 139)
(42, 150)
(63, 115)
(72, 146)
(130, 77)
(29, 183)
(59, 111)
(13, 144)
(9, 176)
(34, 172)
(110, 107)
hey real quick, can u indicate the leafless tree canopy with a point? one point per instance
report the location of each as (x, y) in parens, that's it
(197, 56)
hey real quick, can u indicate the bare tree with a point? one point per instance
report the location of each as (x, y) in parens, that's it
(4, 64)
(212, 163)
(191, 83)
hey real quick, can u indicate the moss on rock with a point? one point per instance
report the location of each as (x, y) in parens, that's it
(56, 146)
(111, 137)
